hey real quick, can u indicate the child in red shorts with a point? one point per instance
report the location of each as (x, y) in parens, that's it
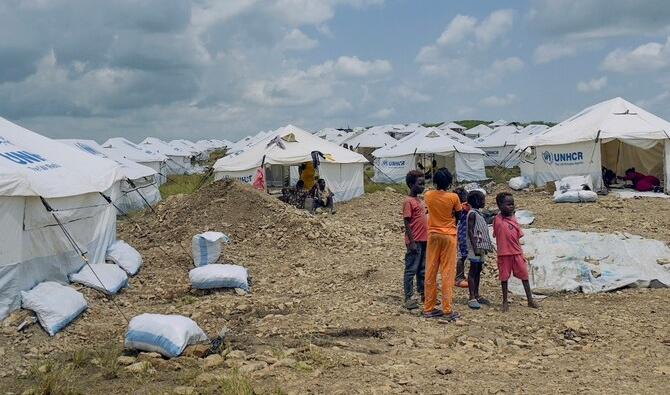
(508, 233)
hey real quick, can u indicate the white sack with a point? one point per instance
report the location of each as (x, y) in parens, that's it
(574, 183)
(55, 305)
(219, 276)
(524, 217)
(124, 255)
(167, 335)
(575, 197)
(105, 277)
(592, 262)
(206, 247)
(519, 183)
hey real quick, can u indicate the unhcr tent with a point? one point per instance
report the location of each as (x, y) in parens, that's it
(139, 186)
(478, 131)
(129, 150)
(42, 180)
(288, 147)
(333, 135)
(179, 160)
(369, 140)
(498, 123)
(453, 126)
(500, 145)
(393, 162)
(615, 133)
(189, 146)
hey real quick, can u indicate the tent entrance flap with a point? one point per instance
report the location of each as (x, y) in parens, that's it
(619, 156)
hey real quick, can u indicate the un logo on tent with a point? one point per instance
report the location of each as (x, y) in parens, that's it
(547, 157)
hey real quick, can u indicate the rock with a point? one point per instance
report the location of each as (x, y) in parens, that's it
(240, 291)
(253, 366)
(549, 351)
(236, 354)
(126, 360)
(573, 325)
(500, 342)
(147, 356)
(183, 390)
(665, 370)
(213, 361)
(233, 363)
(286, 362)
(196, 351)
(443, 370)
(140, 367)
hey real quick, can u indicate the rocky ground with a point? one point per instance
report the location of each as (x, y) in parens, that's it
(326, 315)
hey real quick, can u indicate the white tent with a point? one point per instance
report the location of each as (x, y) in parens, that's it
(615, 133)
(333, 135)
(393, 162)
(141, 155)
(369, 140)
(139, 186)
(453, 126)
(36, 171)
(500, 145)
(179, 160)
(189, 146)
(342, 169)
(498, 123)
(478, 131)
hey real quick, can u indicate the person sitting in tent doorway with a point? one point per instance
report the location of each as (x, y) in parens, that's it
(641, 182)
(323, 197)
(307, 173)
(299, 195)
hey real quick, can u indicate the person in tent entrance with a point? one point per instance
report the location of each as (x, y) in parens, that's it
(416, 237)
(478, 244)
(307, 174)
(461, 280)
(323, 197)
(508, 234)
(642, 183)
(443, 210)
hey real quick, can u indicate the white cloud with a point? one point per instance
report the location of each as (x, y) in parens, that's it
(647, 57)
(549, 52)
(468, 30)
(660, 100)
(458, 30)
(407, 93)
(508, 65)
(352, 66)
(296, 40)
(593, 85)
(494, 26)
(499, 101)
(383, 113)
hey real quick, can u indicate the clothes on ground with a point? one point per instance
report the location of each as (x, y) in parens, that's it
(440, 258)
(512, 264)
(442, 208)
(415, 266)
(482, 240)
(641, 182)
(463, 231)
(507, 233)
(307, 175)
(414, 209)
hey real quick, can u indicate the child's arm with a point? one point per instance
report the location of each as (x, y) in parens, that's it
(471, 233)
(410, 236)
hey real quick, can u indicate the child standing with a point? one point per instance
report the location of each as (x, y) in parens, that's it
(508, 233)
(443, 209)
(478, 243)
(416, 236)
(462, 237)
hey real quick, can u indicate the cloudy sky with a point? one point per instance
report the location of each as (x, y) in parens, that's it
(228, 68)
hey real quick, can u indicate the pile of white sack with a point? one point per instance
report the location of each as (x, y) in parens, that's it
(575, 189)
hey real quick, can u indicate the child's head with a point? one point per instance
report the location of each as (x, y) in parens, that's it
(462, 194)
(630, 171)
(505, 202)
(476, 199)
(416, 182)
(443, 179)
(300, 184)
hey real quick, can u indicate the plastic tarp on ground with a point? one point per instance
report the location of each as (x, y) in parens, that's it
(33, 248)
(132, 196)
(592, 262)
(342, 169)
(393, 162)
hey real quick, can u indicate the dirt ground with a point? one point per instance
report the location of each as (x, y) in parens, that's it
(325, 314)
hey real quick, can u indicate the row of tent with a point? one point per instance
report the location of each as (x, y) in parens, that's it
(59, 199)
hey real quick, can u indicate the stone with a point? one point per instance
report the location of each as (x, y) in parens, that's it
(236, 354)
(573, 325)
(443, 370)
(286, 362)
(183, 390)
(664, 370)
(213, 361)
(253, 367)
(147, 356)
(140, 367)
(549, 351)
(124, 360)
(196, 351)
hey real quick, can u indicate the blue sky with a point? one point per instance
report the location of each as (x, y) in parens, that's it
(206, 68)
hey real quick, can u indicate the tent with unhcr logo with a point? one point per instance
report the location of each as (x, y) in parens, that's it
(615, 134)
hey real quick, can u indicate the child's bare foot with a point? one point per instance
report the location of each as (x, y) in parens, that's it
(533, 304)
(505, 307)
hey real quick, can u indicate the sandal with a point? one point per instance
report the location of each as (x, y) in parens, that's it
(451, 317)
(435, 313)
(474, 304)
(483, 301)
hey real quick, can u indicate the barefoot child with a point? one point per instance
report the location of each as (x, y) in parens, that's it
(478, 243)
(416, 235)
(462, 231)
(443, 210)
(507, 233)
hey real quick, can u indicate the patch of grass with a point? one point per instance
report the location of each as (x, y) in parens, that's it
(80, 358)
(53, 378)
(236, 384)
(183, 184)
(107, 360)
(216, 155)
(501, 175)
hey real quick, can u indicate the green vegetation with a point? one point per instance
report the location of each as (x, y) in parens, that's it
(471, 123)
(501, 175)
(184, 184)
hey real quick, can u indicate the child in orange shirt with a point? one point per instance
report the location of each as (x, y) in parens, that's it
(443, 209)
(508, 234)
